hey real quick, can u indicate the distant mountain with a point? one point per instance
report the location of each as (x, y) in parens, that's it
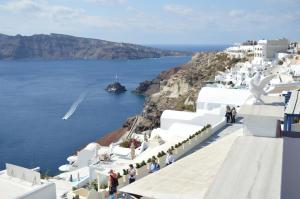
(59, 46)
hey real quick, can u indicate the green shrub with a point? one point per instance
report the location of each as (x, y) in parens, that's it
(94, 185)
(161, 154)
(119, 175)
(127, 143)
(103, 186)
(125, 172)
(143, 163)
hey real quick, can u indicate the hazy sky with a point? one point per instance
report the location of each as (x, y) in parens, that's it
(155, 21)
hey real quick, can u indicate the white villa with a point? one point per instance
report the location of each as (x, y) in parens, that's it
(239, 51)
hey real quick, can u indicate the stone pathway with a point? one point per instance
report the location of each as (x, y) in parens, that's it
(226, 130)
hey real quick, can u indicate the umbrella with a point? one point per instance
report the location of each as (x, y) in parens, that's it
(65, 168)
(72, 158)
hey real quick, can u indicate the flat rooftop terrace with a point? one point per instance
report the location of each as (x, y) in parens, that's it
(11, 187)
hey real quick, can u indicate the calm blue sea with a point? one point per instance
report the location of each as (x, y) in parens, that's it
(35, 95)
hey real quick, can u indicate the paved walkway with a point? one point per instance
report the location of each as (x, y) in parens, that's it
(192, 175)
(226, 130)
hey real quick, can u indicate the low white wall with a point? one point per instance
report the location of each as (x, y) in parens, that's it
(260, 126)
(93, 175)
(183, 149)
(199, 120)
(47, 191)
(177, 153)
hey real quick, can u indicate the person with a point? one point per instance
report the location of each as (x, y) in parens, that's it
(228, 114)
(154, 166)
(71, 178)
(169, 158)
(112, 184)
(132, 173)
(233, 114)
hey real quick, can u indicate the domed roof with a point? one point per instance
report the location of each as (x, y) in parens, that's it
(92, 146)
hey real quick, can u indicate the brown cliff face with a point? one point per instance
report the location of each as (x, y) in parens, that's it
(178, 88)
(148, 88)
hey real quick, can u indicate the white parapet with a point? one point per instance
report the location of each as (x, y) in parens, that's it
(22, 183)
(261, 120)
(215, 99)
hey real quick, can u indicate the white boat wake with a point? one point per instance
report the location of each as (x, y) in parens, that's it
(74, 106)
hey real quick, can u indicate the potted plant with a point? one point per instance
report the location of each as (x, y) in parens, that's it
(161, 157)
(120, 180)
(94, 185)
(172, 148)
(103, 190)
(125, 176)
(141, 169)
(149, 163)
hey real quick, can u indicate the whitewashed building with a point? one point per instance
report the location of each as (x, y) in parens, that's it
(239, 51)
(266, 50)
(22, 183)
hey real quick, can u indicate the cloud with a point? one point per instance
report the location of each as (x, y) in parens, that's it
(20, 6)
(108, 2)
(236, 13)
(178, 9)
(41, 16)
(56, 14)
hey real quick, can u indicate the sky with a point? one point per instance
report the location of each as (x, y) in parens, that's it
(155, 21)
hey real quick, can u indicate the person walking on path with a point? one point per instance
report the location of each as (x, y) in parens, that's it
(132, 174)
(169, 158)
(228, 114)
(112, 184)
(233, 114)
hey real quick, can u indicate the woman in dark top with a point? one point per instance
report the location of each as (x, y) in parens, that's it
(112, 184)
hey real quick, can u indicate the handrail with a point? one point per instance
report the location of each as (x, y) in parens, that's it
(132, 127)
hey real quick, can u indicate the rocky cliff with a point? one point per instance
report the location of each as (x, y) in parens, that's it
(58, 46)
(177, 88)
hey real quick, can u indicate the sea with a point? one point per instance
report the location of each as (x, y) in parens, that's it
(35, 96)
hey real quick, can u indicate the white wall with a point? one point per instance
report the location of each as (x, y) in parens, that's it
(47, 191)
(193, 118)
(93, 174)
(210, 98)
(267, 49)
(260, 126)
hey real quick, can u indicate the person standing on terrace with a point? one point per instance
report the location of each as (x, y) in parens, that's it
(132, 173)
(112, 184)
(233, 114)
(154, 166)
(169, 158)
(228, 114)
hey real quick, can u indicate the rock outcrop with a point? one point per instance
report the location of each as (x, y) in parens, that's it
(116, 87)
(58, 46)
